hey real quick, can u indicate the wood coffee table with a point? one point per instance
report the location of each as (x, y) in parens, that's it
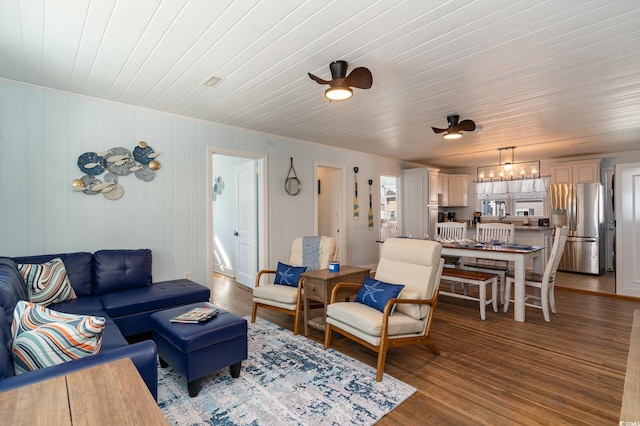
(318, 286)
(108, 394)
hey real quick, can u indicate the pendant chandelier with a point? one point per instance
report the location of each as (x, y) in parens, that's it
(508, 169)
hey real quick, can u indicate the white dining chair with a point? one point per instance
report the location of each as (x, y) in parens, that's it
(452, 231)
(502, 232)
(487, 232)
(545, 282)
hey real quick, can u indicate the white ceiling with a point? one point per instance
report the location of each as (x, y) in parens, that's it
(553, 78)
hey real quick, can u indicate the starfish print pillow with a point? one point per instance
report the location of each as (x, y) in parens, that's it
(288, 275)
(376, 293)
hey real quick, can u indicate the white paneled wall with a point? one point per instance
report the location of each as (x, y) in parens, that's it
(42, 133)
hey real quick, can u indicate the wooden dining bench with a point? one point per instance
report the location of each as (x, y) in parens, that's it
(481, 279)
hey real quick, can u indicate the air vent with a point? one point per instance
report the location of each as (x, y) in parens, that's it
(212, 81)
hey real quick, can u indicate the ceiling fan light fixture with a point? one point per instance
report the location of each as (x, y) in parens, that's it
(338, 93)
(452, 135)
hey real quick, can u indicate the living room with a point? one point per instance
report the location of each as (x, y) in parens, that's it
(44, 129)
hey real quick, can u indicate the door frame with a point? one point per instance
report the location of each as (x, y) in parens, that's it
(262, 193)
(341, 239)
(627, 245)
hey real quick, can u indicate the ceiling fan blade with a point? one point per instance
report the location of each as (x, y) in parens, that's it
(436, 130)
(466, 125)
(360, 77)
(318, 79)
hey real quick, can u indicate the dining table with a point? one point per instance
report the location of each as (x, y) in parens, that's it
(516, 253)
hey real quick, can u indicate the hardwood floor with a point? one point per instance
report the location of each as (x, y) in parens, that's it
(498, 371)
(604, 283)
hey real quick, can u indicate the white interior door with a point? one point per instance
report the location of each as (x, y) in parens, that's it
(627, 202)
(246, 223)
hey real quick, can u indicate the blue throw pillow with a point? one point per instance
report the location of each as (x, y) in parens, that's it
(288, 275)
(376, 293)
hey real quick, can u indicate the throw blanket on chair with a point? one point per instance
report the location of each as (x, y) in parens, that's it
(311, 252)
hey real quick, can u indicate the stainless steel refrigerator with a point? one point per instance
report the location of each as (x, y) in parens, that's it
(581, 208)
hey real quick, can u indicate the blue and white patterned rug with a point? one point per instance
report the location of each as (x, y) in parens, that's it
(287, 380)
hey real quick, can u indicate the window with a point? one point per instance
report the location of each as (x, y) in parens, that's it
(497, 205)
(533, 207)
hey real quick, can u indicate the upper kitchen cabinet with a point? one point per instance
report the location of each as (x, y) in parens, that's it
(584, 171)
(453, 190)
(419, 194)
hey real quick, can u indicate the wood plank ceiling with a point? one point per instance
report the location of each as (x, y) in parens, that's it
(553, 78)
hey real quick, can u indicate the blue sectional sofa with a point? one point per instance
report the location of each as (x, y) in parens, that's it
(114, 284)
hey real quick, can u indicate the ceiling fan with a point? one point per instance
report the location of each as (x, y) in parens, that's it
(341, 83)
(454, 129)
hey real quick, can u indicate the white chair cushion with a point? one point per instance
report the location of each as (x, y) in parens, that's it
(363, 320)
(412, 263)
(412, 310)
(277, 293)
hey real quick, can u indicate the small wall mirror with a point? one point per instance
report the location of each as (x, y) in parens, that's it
(292, 183)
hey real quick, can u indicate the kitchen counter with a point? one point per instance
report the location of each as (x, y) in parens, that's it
(533, 228)
(520, 227)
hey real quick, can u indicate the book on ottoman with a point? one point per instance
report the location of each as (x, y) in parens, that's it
(196, 315)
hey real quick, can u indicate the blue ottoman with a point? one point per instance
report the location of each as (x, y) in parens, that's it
(197, 350)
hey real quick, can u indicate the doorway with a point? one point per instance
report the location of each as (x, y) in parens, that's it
(389, 206)
(627, 200)
(236, 240)
(330, 215)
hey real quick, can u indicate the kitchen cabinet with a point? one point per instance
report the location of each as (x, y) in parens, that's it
(584, 171)
(453, 190)
(419, 212)
(433, 186)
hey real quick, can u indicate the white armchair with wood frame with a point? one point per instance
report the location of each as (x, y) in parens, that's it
(402, 320)
(286, 296)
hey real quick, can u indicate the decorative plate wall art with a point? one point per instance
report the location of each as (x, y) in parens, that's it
(115, 162)
(218, 187)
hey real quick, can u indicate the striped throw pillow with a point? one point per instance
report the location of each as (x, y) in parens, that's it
(48, 282)
(43, 337)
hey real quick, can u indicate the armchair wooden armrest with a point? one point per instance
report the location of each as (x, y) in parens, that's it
(264, 271)
(352, 288)
(391, 302)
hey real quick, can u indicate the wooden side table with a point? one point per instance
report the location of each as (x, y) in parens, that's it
(318, 286)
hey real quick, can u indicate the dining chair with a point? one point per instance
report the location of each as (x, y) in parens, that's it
(487, 232)
(285, 293)
(452, 231)
(502, 232)
(545, 282)
(397, 307)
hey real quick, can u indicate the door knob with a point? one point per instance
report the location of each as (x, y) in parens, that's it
(235, 233)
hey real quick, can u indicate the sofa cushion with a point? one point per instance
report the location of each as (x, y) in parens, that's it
(117, 270)
(111, 337)
(44, 337)
(87, 305)
(6, 357)
(162, 295)
(47, 282)
(79, 268)
(12, 288)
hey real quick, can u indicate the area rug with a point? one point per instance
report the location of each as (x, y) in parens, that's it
(287, 380)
